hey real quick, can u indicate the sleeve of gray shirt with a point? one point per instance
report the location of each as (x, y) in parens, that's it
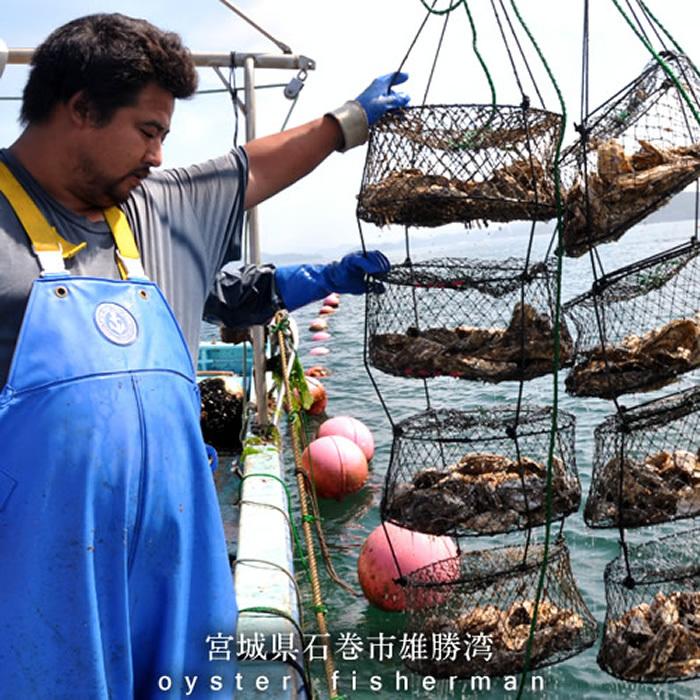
(243, 296)
(189, 222)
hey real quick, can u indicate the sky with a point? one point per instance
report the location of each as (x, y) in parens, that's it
(352, 42)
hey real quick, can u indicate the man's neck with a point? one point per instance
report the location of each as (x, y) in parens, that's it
(45, 158)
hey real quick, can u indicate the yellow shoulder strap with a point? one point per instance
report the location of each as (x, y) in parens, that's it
(44, 237)
(128, 258)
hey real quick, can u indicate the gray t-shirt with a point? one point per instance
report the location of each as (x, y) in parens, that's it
(187, 222)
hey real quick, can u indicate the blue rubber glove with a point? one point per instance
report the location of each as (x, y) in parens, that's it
(299, 285)
(379, 98)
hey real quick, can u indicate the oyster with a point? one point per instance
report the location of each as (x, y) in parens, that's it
(558, 631)
(656, 641)
(523, 350)
(482, 493)
(662, 486)
(521, 190)
(624, 190)
(638, 363)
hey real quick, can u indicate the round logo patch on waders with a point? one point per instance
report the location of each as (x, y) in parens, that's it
(116, 324)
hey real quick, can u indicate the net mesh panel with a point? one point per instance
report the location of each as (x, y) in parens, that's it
(439, 164)
(643, 146)
(650, 321)
(652, 629)
(464, 318)
(645, 467)
(479, 472)
(486, 600)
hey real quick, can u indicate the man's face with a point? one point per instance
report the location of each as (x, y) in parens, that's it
(116, 157)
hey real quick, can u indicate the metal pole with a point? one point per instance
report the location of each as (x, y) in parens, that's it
(204, 59)
(258, 332)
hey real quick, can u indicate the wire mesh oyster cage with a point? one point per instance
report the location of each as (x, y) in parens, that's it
(647, 315)
(638, 149)
(652, 630)
(646, 466)
(486, 599)
(438, 164)
(486, 320)
(480, 472)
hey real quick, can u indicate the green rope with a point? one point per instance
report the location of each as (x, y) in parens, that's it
(676, 45)
(323, 609)
(265, 610)
(479, 57)
(666, 68)
(557, 354)
(292, 526)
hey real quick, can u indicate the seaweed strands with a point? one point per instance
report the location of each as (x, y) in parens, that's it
(657, 641)
(663, 486)
(521, 351)
(638, 363)
(483, 493)
(556, 630)
(522, 190)
(623, 191)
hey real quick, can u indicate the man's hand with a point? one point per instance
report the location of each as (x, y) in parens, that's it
(379, 98)
(298, 285)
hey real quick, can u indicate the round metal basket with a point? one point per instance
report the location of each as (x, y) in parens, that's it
(484, 600)
(439, 164)
(479, 472)
(646, 467)
(638, 149)
(648, 314)
(652, 630)
(473, 319)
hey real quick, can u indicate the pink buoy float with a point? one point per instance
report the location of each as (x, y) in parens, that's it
(320, 350)
(351, 428)
(326, 310)
(321, 335)
(318, 324)
(377, 569)
(317, 371)
(336, 466)
(319, 396)
(333, 299)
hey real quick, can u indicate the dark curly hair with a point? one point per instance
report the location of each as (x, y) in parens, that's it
(110, 57)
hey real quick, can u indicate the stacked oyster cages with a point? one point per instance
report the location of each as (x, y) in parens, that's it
(475, 472)
(638, 329)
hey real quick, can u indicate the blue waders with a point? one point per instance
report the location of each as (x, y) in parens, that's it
(113, 564)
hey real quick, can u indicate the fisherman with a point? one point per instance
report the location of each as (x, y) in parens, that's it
(113, 565)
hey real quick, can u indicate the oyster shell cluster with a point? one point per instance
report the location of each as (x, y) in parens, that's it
(624, 190)
(558, 632)
(483, 493)
(521, 190)
(657, 641)
(638, 363)
(663, 486)
(523, 350)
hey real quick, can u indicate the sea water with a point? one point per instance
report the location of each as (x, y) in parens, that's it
(347, 524)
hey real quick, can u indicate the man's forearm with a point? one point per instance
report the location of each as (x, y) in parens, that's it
(277, 161)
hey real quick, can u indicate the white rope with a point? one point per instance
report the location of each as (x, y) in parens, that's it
(280, 44)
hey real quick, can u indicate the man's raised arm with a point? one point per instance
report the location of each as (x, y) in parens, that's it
(278, 160)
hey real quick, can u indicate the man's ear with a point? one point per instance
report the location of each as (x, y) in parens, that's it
(79, 109)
